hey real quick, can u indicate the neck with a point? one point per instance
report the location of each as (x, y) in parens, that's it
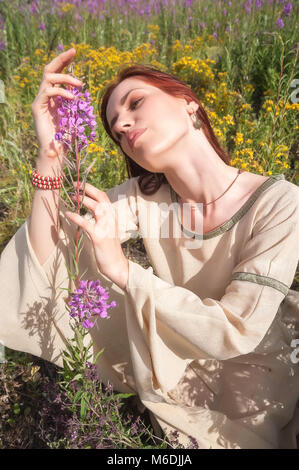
(202, 178)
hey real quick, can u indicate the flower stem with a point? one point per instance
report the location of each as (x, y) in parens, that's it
(78, 209)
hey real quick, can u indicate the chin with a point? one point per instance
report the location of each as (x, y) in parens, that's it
(150, 161)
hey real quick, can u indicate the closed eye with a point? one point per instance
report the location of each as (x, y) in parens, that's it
(132, 106)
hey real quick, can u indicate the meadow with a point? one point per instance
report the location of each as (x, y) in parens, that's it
(240, 58)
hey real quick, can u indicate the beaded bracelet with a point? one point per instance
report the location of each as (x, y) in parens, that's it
(46, 182)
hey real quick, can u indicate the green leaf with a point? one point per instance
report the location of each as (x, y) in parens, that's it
(65, 365)
(79, 251)
(65, 288)
(125, 395)
(78, 396)
(71, 362)
(77, 356)
(97, 355)
(79, 339)
(71, 275)
(16, 408)
(75, 265)
(66, 354)
(77, 377)
(71, 349)
(83, 407)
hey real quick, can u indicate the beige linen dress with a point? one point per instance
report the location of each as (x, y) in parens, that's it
(204, 336)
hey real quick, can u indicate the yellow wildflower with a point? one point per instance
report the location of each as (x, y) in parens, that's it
(246, 106)
(229, 119)
(239, 138)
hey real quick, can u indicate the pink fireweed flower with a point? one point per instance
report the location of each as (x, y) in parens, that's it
(76, 118)
(287, 9)
(88, 302)
(280, 23)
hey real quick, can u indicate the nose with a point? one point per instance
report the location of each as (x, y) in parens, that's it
(123, 126)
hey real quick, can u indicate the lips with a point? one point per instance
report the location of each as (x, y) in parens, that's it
(132, 136)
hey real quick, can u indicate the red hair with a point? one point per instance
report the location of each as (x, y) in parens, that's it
(150, 182)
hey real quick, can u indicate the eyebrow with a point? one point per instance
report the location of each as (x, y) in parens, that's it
(122, 101)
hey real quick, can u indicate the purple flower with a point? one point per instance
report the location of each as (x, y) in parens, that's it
(60, 47)
(224, 12)
(202, 24)
(88, 302)
(42, 26)
(258, 3)
(280, 23)
(2, 23)
(76, 115)
(2, 45)
(247, 6)
(78, 17)
(287, 9)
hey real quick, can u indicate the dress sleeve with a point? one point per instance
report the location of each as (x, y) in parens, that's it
(123, 198)
(176, 326)
(32, 304)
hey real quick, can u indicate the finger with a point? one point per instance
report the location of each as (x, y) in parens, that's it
(100, 209)
(100, 231)
(59, 62)
(54, 91)
(54, 78)
(87, 201)
(43, 97)
(95, 193)
(77, 219)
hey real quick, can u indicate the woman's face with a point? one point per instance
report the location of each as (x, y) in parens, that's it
(165, 118)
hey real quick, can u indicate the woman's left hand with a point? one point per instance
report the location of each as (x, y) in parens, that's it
(103, 232)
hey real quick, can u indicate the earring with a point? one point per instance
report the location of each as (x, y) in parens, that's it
(197, 124)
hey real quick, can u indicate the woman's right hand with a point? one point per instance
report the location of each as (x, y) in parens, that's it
(45, 105)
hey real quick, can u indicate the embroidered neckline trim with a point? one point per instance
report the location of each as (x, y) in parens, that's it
(235, 218)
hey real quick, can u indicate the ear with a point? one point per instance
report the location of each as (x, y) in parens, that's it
(192, 107)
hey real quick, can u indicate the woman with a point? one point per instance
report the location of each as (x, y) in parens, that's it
(205, 338)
